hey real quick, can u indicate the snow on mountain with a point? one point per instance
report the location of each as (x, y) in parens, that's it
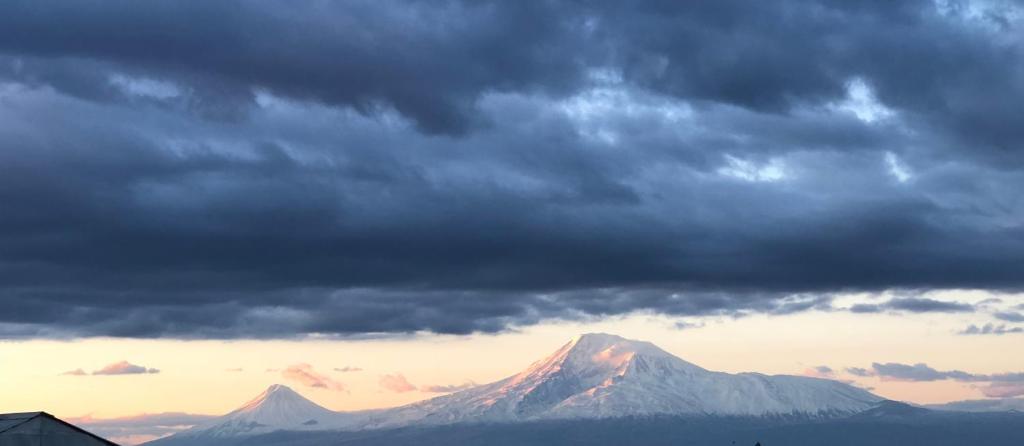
(600, 375)
(277, 408)
(593, 376)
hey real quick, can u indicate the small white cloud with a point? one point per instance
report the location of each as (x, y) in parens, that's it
(773, 170)
(896, 167)
(862, 103)
(150, 88)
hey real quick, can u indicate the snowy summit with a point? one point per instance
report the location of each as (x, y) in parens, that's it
(602, 375)
(592, 376)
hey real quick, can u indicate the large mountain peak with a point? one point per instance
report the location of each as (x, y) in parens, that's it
(610, 349)
(594, 375)
(600, 356)
(600, 375)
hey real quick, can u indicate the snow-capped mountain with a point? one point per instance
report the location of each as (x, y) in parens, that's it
(277, 408)
(600, 376)
(592, 376)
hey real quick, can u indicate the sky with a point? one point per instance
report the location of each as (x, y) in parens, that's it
(805, 186)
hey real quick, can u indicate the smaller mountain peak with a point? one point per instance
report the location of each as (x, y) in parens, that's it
(274, 388)
(275, 394)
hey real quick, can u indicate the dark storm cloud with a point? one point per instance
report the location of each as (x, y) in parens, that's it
(230, 169)
(429, 60)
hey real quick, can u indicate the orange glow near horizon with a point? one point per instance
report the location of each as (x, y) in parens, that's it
(214, 377)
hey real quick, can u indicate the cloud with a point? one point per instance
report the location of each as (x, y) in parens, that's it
(866, 308)
(1009, 316)
(857, 371)
(688, 325)
(631, 158)
(234, 369)
(447, 388)
(928, 306)
(305, 375)
(998, 385)
(989, 301)
(914, 305)
(917, 372)
(75, 372)
(125, 368)
(347, 369)
(396, 383)
(1003, 390)
(138, 429)
(990, 329)
(821, 371)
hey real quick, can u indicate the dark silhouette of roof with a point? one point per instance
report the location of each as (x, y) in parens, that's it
(15, 423)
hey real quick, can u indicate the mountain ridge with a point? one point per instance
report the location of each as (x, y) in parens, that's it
(594, 375)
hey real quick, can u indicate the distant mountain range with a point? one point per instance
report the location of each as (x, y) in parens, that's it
(593, 377)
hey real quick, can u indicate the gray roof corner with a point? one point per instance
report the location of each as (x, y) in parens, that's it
(9, 421)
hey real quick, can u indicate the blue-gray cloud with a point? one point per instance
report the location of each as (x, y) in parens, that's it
(1009, 316)
(918, 372)
(991, 329)
(858, 371)
(998, 385)
(913, 305)
(456, 167)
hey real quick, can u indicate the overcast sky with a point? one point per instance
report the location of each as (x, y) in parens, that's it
(263, 170)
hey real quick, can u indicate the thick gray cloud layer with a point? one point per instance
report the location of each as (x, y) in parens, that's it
(200, 169)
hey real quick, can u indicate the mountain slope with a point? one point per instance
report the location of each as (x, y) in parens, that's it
(277, 408)
(593, 376)
(603, 376)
